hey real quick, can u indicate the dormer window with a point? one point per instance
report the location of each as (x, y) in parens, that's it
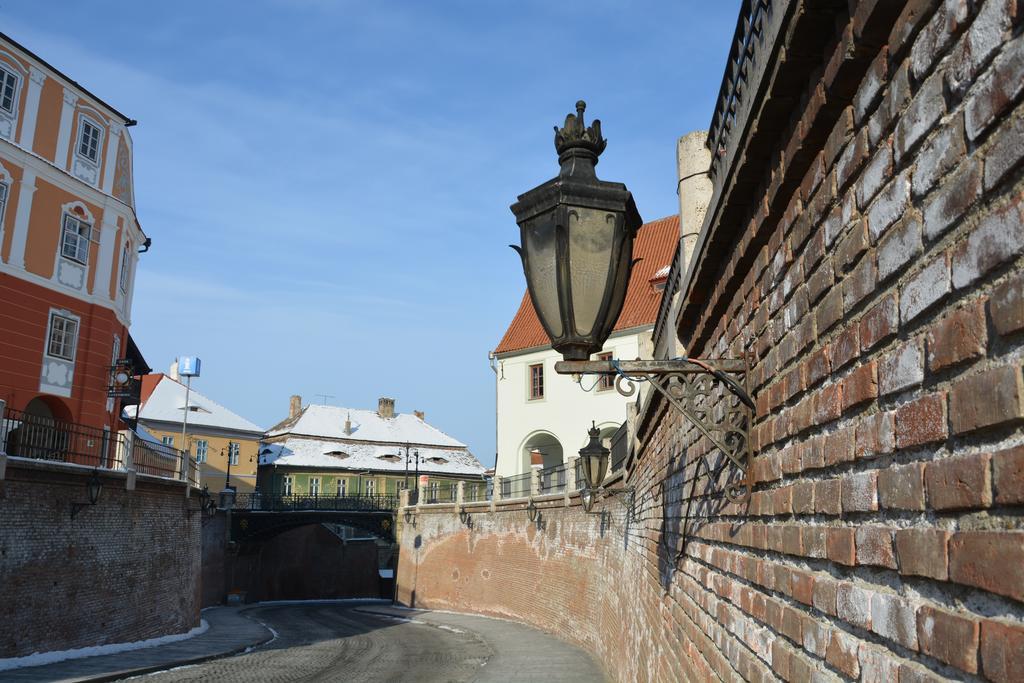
(89, 136)
(390, 457)
(336, 454)
(438, 460)
(8, 88)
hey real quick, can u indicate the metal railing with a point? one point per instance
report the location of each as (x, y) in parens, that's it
(552, 479)
(285, 503)
(438, 493)
(41, 438)
(517, 486)
(476, 492)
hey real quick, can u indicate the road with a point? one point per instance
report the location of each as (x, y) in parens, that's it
(344, 642)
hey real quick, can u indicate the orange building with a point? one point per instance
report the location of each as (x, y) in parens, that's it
(69, 242)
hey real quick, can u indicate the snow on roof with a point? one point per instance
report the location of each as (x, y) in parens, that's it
(367, 425)
(661, 272)
(167, 404)
(306, 452)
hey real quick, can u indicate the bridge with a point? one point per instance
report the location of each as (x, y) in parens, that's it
(257, 517)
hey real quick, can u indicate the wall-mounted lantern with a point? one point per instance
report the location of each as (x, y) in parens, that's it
(576, 247)
(464, 515)
(93, 488)
(532, 511)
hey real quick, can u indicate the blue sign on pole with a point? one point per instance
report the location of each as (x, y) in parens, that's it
(188, 366)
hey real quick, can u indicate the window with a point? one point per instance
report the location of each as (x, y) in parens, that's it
(3, 199)
(202, 446)
(167, 440)
(342, 485)
(125, 264)
(314, 486)
(536, 381)
(63, 335)
(8, 87)
(75, 243)
(371, 487)
(233, 453)
(606, 382)
(89, 135)
(287, 487)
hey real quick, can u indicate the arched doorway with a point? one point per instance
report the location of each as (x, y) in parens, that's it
(37, 432)
(547, 445)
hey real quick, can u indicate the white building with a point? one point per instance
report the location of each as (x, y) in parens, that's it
(539, 411)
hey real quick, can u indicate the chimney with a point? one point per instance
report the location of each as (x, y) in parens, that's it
(172, 372)
(348, 424)
(294, 406)
(420, 414)
(386, 407)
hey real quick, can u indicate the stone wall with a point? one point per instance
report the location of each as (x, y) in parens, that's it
(875, 283)
(123, 570)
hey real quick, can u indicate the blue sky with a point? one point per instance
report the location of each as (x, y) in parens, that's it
(327, 183)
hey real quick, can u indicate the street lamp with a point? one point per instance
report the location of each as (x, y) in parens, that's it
(594, 463)
(577, 252)
(93, 488)
(577, 243)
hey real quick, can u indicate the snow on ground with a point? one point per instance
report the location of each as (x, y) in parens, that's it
(40, 658)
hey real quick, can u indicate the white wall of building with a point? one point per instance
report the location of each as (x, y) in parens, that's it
(565, 412)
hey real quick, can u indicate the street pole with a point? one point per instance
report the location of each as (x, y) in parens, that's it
(184, 426)
(407, 466)
(227, 479)
(417, 453)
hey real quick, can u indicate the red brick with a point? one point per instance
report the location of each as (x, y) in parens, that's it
(781, 656)
(1002, 651)
(990, 560)
(994, 95)
(813, 539)
(803, 586)
(959, 482)
(851, 159)
(825, 595)
(901, 368)
(828, 404)
(948, 637)
(860, 283)
(853, 604)
(995, 240)
(960, 336)
(925, 288)
(915, 673)
(894, 618)
(851, 247)
(876, 435)
(878, 665)
(792, 624)
(803, 498)
(1005, 153)
(880, 322)
(985, 399)
(953, 199)
(1008, 476)
(860, 386)
(830, 310)
(839, 446)
(1006, 306)
(902, 488)
(841, 545)
(860, 492)
(940, 153)
(921, 421)
(842, 653)
(874, 546)
(827, 500)
(820, 281)
(923, 552)
(845, 347)
(901, 244)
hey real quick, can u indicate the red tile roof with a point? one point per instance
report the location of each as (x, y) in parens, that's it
(655, 243)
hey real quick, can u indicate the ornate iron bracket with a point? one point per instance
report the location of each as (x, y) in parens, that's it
(689, 385)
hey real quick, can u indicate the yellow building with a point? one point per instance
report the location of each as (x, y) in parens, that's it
(214, 435)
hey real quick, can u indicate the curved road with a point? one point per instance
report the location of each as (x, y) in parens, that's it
(345, 642)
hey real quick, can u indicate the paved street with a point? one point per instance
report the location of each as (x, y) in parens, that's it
(332, 642)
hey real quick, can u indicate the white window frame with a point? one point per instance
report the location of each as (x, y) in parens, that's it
(167, 440)
(202, 449)
(233, 450)
(62, 321)
(8, 76)
(529, 382)
(71, 234)
(342, 486)
(314, 486)
(286, 486)
(5, 192)
(370, 487)
(125, 264)
(84, 121)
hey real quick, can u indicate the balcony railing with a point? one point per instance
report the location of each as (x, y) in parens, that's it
(517, 486)
(552, 479)
(262, 502)
(41, 438)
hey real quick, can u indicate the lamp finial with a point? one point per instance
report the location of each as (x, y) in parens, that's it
(576, 134)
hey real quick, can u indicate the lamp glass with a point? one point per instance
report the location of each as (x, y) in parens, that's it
(591, 238)
(540, 243)
(94, 486)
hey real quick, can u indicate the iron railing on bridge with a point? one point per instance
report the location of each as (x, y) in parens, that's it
(552, 479)
(517, 486)
(41, 438)
(281, 503)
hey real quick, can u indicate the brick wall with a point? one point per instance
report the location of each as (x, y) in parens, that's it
(123, 570)
(876, 284)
